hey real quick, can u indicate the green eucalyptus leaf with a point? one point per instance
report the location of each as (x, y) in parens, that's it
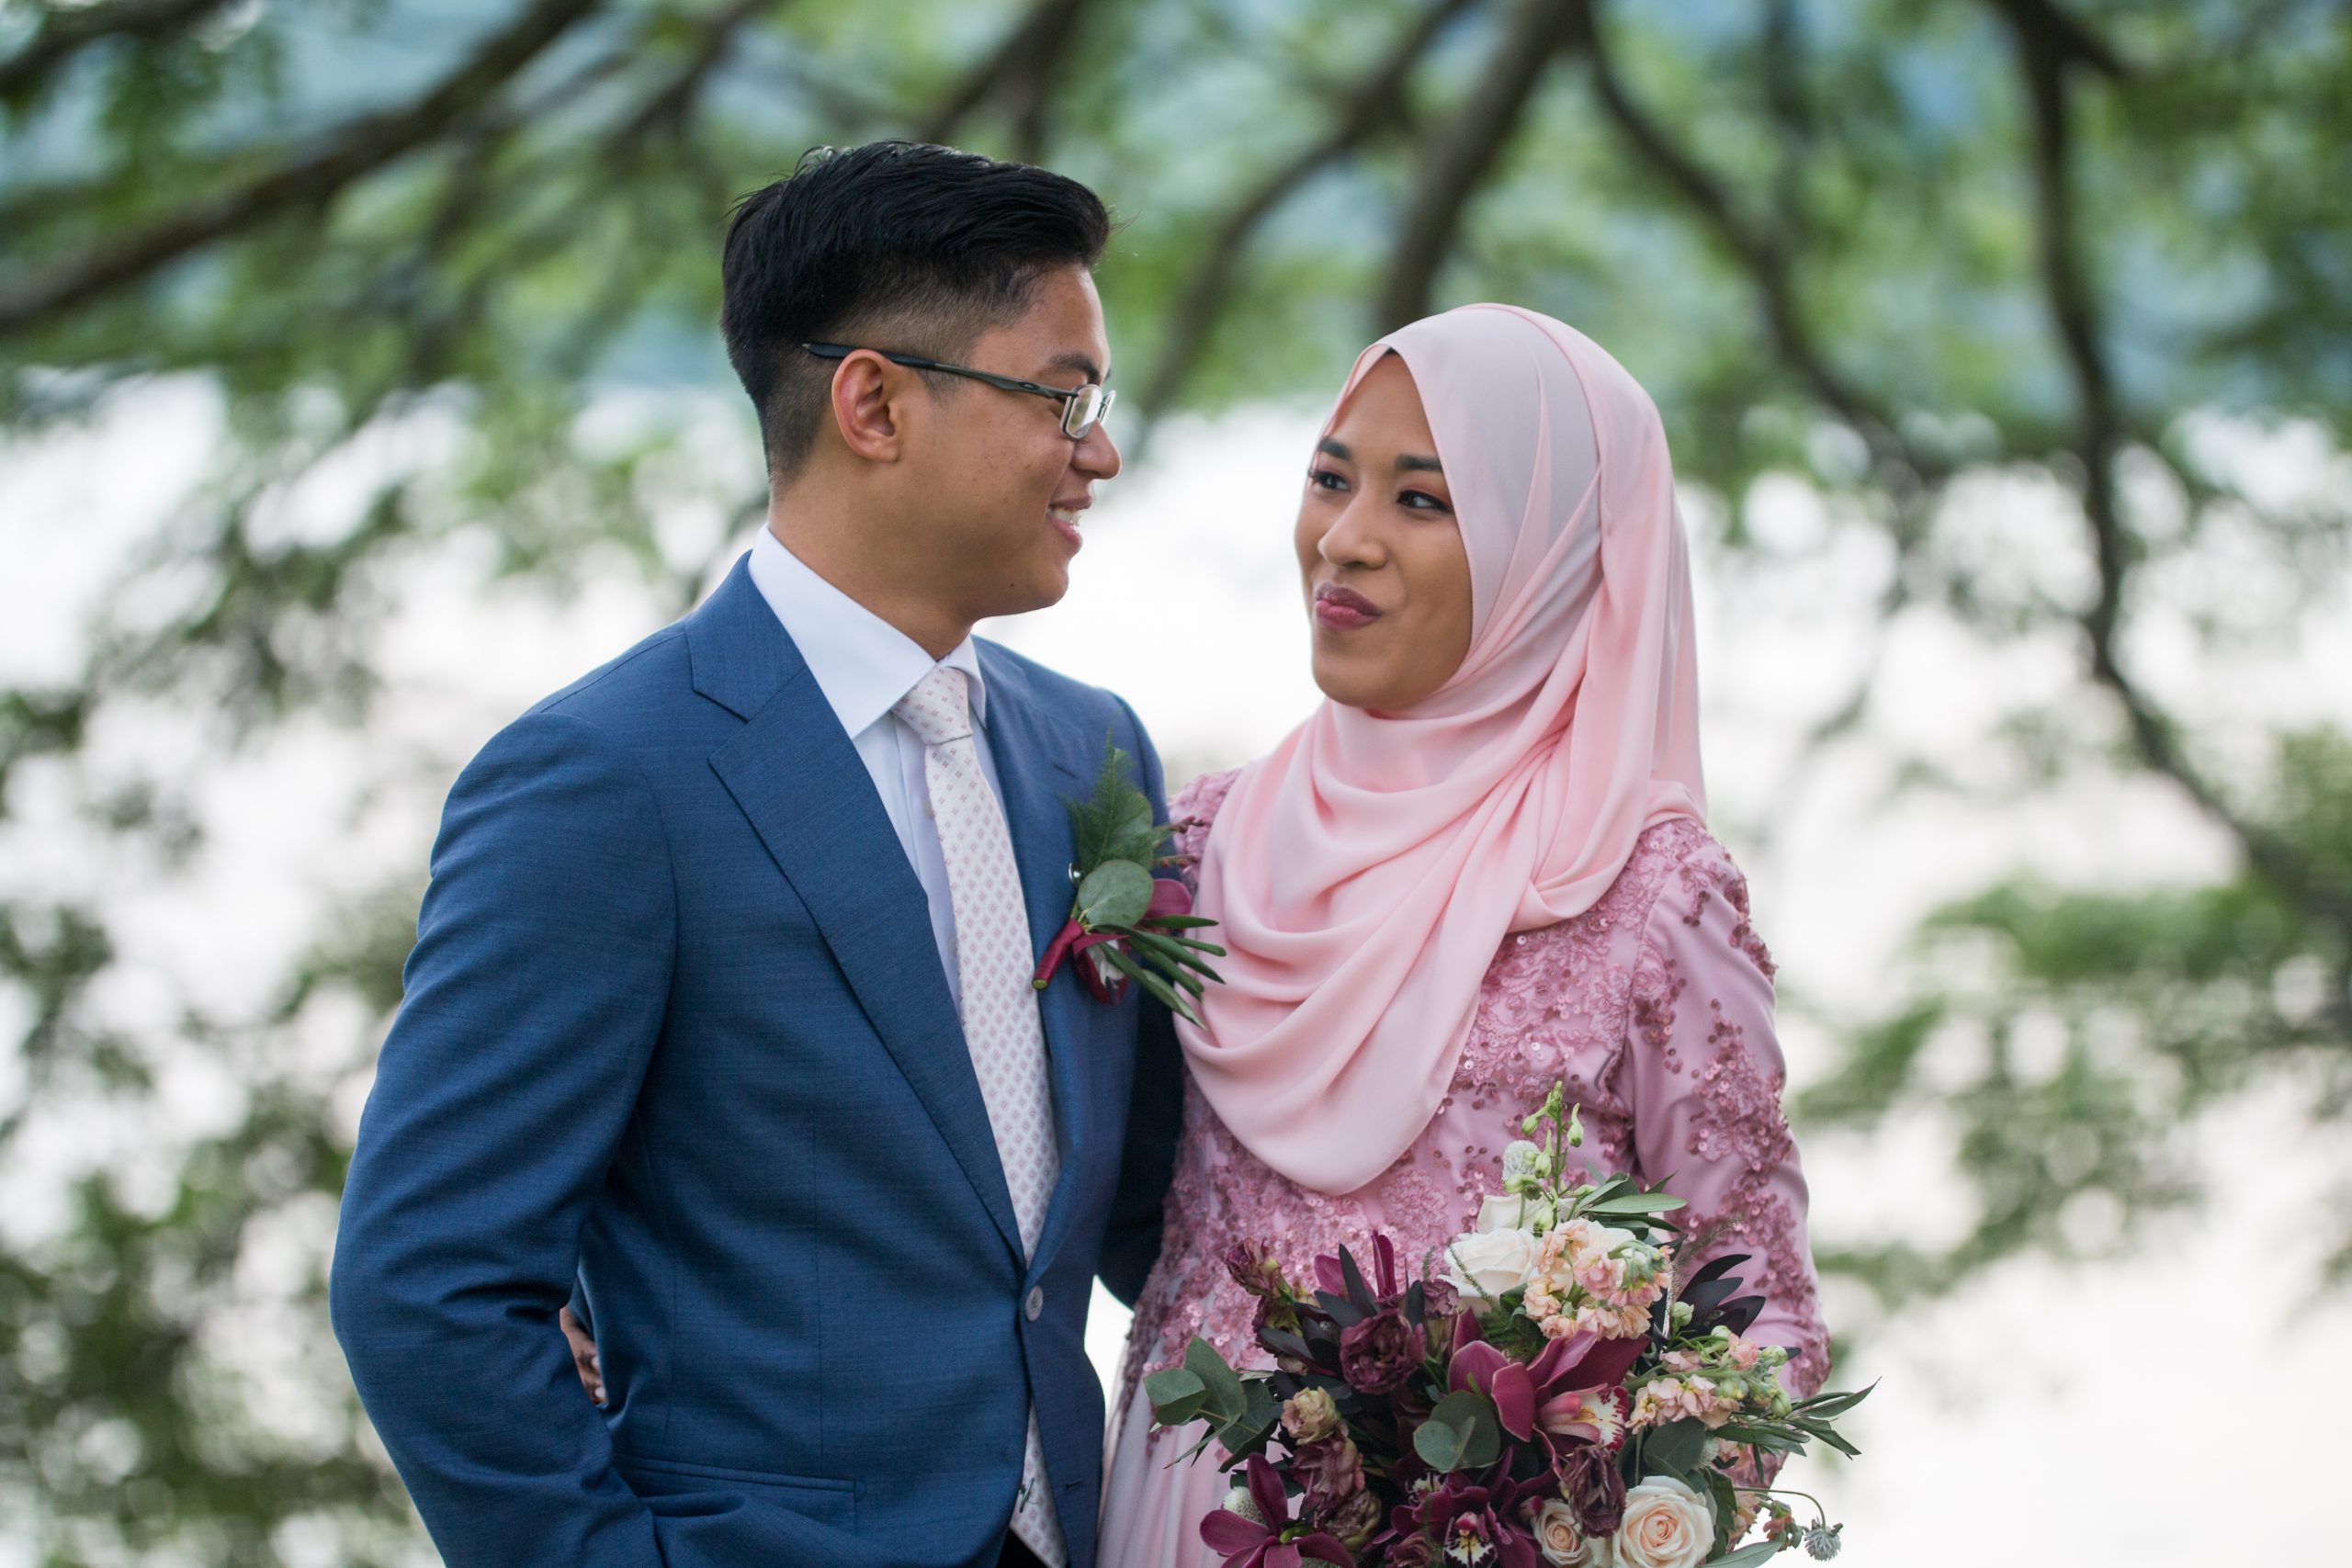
(1468, 1433)
(1116, 893)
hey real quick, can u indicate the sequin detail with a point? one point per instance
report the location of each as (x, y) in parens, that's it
(1605, 1003)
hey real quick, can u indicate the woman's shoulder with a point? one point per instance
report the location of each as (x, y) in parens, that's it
(1677, 868)
(1680, 877)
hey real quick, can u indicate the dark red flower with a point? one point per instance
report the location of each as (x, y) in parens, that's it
(1380, 1354)
(1353, 1520)
(1330, 1470)
(1467, 1516)
(1254, 1268)
(1589, 1480)
(1169, 897)
(1411, 1551)
(1244, 1544)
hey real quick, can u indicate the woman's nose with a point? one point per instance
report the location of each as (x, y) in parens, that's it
(1350, 541)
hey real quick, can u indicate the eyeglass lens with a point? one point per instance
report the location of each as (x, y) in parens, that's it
(1081, 413)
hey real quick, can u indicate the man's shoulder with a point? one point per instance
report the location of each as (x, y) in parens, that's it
(628, 689)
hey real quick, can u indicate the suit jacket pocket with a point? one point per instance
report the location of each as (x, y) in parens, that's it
(673, 1489)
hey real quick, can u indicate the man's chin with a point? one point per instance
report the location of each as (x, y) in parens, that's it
(1041, 591)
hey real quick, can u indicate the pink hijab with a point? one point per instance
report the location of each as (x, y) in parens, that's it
(1367, 869)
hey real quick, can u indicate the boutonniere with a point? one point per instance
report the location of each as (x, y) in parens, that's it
(1127, 925)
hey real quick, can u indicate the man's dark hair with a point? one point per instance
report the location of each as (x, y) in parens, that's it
(925, 246)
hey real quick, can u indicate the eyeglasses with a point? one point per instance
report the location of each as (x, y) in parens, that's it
(1083, 408)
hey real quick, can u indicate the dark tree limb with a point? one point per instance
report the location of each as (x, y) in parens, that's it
(359, 149)
(1762, 254)
(1025, 58)
(1466, 150)
(2046, 28)
(2047, 61)
(63, 34)
(1366, 106)
(669, 106)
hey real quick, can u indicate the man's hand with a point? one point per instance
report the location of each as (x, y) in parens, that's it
(584, 1355)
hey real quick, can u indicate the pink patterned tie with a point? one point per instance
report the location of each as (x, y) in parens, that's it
(1000, 1024)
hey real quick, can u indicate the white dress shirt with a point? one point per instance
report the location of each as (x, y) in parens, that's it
(864, 665)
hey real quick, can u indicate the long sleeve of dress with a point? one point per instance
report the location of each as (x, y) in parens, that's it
(1704, 1082)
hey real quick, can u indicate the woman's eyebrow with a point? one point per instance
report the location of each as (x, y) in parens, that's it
(1413, 462)
(1339, 449)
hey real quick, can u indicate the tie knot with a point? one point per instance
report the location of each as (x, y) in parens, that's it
(939, 708)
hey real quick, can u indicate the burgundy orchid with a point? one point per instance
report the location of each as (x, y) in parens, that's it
(1570, 1368)
(1467, 1516)
(1244, 1543)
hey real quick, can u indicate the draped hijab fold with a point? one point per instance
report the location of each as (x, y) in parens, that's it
(1365, 872)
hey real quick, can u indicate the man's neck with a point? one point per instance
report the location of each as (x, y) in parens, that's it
(829, 553)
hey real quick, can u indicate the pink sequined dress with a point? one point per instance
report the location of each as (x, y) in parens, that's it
(1654, 1008)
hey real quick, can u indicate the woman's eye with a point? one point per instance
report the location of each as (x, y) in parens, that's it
(1422, 500)
(1324, 479)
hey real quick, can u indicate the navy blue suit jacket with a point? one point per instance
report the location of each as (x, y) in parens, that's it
(675, 1028)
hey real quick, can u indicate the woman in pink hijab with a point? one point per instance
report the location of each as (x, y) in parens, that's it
(1481, 866)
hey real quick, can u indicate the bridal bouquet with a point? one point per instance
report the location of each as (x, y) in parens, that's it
(1556, 1394)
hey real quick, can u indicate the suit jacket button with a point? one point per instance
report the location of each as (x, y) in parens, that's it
(1035, 1304)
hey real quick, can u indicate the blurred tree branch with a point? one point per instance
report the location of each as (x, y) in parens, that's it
(1456, 159)
(1893, 263)
(66, 30)
(1761, 253)
(360, 148)
(1024, 64)
(1373, 103)
(2050, 51)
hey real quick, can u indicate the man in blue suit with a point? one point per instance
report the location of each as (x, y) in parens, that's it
(720, 1008)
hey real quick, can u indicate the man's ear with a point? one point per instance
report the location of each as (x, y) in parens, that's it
(870, 397)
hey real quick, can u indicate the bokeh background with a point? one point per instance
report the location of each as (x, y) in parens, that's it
(359, 383)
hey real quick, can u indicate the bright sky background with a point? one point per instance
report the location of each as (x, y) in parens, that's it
(2045, 1415)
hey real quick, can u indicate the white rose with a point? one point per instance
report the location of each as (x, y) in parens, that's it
(1666, 1526)
(1487, 1263)
(1502, 1212)
(1563, 1545)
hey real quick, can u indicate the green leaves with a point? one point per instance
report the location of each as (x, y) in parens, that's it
(1241, 1413)
(1464, 1432)
(1675, 1447)
(1115, 893)
(1115, 822)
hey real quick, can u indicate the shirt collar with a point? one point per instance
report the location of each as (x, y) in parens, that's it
(862, 663)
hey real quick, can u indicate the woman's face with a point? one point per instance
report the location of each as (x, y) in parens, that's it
(1380, 557)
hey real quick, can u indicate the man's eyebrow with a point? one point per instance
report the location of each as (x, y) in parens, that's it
(1084, 363)
(1413, 463)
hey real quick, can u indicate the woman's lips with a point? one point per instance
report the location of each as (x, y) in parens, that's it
(1343, 609)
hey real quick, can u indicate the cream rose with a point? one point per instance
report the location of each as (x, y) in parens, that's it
(1563, 1545)
(1666, 1526)
(1487, 1263)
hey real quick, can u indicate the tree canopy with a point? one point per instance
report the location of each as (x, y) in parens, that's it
(1883, 248)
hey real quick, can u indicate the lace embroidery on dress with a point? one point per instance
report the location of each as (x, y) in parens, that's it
(1556, 1005)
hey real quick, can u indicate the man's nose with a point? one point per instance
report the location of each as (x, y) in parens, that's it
(1097, 454)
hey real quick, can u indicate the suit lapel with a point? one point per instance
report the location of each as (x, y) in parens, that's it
(808, 796)
(1039, 762)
